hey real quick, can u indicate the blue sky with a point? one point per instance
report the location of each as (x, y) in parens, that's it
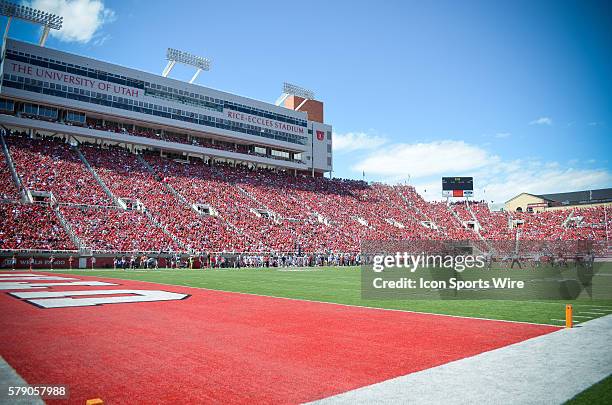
(517, 93)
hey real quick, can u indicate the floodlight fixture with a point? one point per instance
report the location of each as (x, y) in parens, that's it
(294, 90)
(174, 55)
(47, 20)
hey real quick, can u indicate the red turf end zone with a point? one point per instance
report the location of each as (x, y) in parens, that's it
(232, 348)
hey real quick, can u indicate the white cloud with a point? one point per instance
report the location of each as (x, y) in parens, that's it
(353, 141)
(502, 135)
(537, 181)
(596, 124)
(542, 121)
(499, 183)
(495, 179)
(82, 18)
(424, 159)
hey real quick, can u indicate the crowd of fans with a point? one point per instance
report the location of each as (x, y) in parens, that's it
(248, 210)
(32, 226)
(130, 180)
(494, 225)
(438, 213)
(116, 230)
(541, 226)
(50, 165)
(462, 209)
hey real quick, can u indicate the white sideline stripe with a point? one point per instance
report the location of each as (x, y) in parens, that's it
(576, 305)
(327, 302)
(10, 378)
(563, 320)
(549, 369)
(596, 306)
(594, 313)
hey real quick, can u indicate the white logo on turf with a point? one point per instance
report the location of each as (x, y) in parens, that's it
(22, 285)
(62, 299)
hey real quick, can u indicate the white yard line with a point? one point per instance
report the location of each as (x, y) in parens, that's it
(562, 320)
(595, 306)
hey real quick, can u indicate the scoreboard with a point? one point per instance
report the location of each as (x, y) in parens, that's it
(457, 186)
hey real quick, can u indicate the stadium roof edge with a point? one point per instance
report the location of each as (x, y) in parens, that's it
(595, 195)
(520, 194)
(584, 195)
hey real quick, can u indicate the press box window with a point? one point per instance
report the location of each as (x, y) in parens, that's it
(77, 117)
(280, 153)
(7, 105)
(31, 109)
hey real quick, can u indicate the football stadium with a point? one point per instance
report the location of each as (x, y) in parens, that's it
(164, 242)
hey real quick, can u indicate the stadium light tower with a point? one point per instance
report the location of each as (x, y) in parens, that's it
(47, 20)
(198, 62)
(294, 90)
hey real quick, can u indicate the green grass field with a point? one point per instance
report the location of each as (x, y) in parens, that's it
(343, 286)
(598, 394)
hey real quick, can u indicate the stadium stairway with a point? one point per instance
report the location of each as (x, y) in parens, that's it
(458, 218)
(121, 204)
(274, 216)
(260, 205)
(107, 191)
(167, 186)
(566, 221)
(475, 218)
(469, 208)
(405, 209)
(147, 165)
(11, 165)
(412, 206)
(182, 199)
(165, 230)
(230, 225)
(174, 193)
(68, 228)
